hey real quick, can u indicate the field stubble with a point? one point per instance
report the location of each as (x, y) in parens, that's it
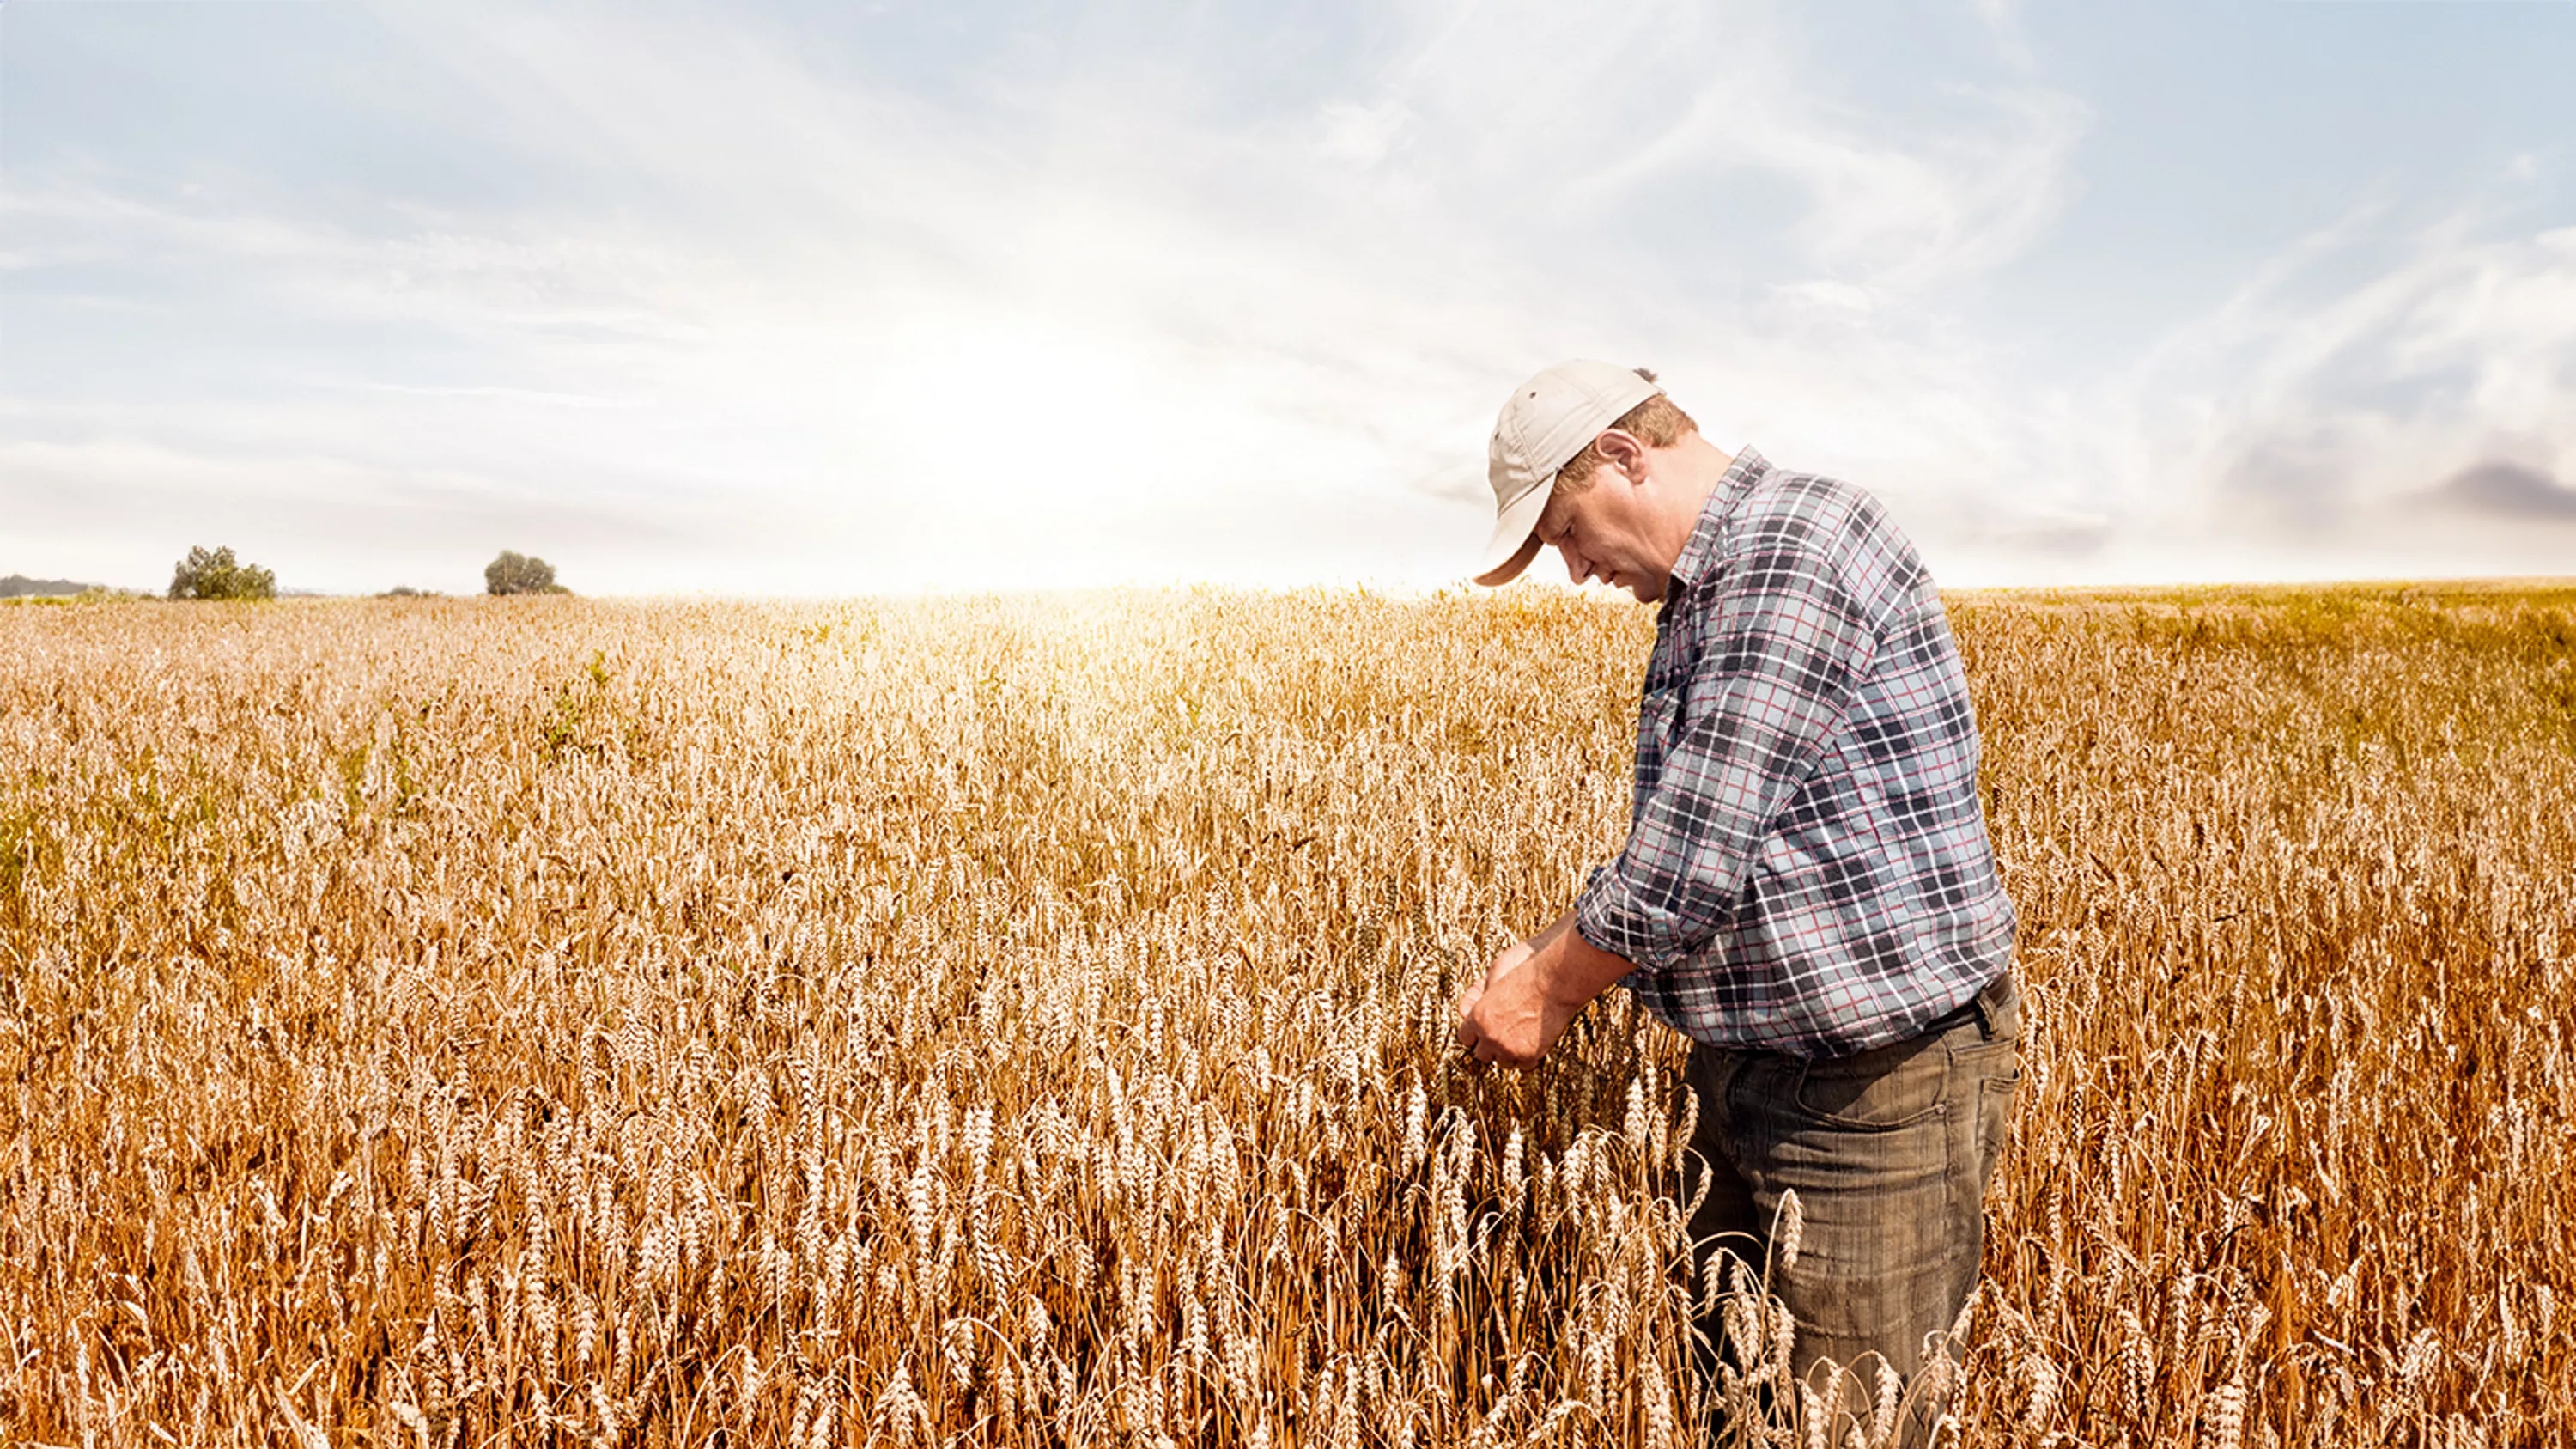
(1024, 1022)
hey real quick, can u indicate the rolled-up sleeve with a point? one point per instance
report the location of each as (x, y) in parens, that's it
(1787, 643)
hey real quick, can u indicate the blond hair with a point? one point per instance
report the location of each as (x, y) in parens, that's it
(1656, 422)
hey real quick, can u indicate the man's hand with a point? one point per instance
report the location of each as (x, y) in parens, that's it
(1534, 989)
(1512, 1019)
(1513, 955)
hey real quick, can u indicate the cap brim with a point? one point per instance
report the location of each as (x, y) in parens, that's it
(1515, 540)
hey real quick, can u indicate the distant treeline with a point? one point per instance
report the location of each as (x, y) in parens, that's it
(19, 586)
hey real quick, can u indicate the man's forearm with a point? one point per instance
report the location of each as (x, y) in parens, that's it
(1535, 988)
(1573, 969)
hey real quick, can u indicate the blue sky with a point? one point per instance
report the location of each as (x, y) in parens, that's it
(816, 299)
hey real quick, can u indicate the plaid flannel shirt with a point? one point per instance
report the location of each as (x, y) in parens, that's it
(1807, 870)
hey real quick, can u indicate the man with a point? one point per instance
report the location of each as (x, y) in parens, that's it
(1807, 892)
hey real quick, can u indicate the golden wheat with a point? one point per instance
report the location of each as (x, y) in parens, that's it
(1024, 1021)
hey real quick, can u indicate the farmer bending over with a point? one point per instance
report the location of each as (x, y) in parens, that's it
(1807, 892)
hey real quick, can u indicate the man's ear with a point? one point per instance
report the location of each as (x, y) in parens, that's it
(1622, 450)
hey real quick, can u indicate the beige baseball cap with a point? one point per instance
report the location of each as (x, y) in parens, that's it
(1548, 420)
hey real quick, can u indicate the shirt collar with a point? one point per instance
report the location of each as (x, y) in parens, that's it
(1701, 550)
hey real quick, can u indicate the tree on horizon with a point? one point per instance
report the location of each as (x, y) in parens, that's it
(517, 573)
(218, 575)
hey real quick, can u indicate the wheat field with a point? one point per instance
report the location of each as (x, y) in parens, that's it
(1024, 1021)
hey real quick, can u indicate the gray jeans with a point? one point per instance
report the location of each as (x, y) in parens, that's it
(1889, 1151)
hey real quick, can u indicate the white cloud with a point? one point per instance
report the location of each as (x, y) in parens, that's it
(1358, 136)
(2286, 414)
(1889, 199)
(1826, 294)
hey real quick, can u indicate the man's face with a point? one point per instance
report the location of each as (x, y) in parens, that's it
(1601, 532)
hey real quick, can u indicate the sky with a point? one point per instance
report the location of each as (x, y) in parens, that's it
(785, 297)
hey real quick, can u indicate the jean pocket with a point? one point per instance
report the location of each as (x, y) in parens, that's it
(1994, 1113)
(1984, 1057)
(1876, 1091)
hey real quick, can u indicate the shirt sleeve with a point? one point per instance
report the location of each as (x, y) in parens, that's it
(1786, 646)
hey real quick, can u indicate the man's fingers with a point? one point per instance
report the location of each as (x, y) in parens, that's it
(1478, 1036)
(1468, 1036)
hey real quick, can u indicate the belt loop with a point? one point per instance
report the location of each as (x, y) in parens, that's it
(1985, 1013)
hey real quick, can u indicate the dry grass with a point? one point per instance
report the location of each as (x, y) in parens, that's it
(1024, 1022)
